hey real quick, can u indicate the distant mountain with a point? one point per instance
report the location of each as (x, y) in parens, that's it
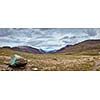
(51, 51)
(85, 47)
(88, 45)
(27, 49)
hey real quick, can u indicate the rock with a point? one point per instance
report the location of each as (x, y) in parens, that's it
(34, 69)
(17, 61)
(54, 59)
(3, 69)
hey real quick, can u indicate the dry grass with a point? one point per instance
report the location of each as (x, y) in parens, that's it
(50, 62)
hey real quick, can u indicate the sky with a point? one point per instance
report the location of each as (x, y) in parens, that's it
(46, 38)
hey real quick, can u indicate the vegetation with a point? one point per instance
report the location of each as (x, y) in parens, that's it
(51, 62)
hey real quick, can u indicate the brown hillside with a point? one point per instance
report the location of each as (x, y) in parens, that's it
(88, 45)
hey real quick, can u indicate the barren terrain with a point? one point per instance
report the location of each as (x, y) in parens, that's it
(51, 62)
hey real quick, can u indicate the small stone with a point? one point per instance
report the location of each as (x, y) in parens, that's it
(54, 59)
(3, 69)
(35, 69)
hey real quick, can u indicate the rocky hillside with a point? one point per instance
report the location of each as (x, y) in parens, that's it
(88, 46)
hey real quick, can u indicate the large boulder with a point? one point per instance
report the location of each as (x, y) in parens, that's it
(17, 61)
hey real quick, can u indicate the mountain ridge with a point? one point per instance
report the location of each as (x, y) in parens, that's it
(81, 47)
(27, 49)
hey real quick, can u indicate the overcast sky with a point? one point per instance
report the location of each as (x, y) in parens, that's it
(46, 39)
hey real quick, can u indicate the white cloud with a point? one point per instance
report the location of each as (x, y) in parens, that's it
(48, 39)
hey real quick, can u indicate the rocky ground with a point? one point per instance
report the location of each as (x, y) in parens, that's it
(51, 62)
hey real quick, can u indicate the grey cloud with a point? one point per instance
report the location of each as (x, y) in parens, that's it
(4, 32)
(46, 38)
(91, 32)
(34, 43)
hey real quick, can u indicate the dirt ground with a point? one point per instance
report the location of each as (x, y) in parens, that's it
(54, 62)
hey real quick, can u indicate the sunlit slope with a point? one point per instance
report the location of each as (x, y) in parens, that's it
(88, 47)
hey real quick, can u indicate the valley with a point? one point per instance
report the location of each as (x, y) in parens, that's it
(51, 62)
(84, 56)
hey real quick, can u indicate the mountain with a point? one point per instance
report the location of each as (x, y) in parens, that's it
(85, 47)
(49, 62)
(50, 51)
(27, 49)
(88, 46)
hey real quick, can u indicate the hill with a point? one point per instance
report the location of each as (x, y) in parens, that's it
(27, 49)
(50, 62)
(84, 56)
(85, 47)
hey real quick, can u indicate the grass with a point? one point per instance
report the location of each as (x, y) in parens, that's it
(98, 69)
(52, 62)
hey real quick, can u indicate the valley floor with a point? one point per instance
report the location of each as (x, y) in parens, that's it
(51, 62)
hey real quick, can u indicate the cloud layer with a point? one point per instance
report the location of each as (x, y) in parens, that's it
(46, 38)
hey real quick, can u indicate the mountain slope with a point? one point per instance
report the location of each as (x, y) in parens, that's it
(27, 49)
(85, 46)
(49, 62)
